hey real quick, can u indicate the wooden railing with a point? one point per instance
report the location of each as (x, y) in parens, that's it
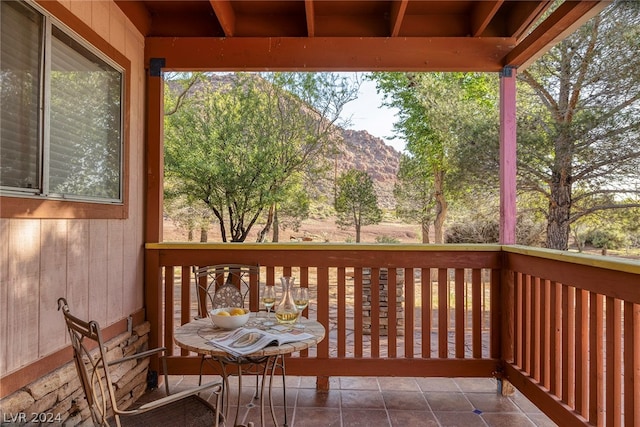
(531, 316)
(574, 331)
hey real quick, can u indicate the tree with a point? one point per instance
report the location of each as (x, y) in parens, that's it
(438, 114)
(356, 201)
(242, 143)
(579, 146)
(414, 198)
(188, 214)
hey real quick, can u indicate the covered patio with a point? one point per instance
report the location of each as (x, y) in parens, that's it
(563, 328)
(560, 327)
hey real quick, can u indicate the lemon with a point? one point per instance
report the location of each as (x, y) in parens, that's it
(223, 313)
(237, 311)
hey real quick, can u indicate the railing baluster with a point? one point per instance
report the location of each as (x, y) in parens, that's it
(535, 342)
(476, 303)
(508, 316)
(425, 292)
(545, 333)
(564, 374)
(518, 336)
(357, 311)
(185, 301)
(271, 276)
(631, 364)
(582, 348)
(612, 362)
(495, 295)
(596, 358)
(409, 310)
(571, 346)
(443, 313)
(323, 307)
(304, 282)
(554, 342)
(168, 309)
(254, 292)
(341, 312)
(459, 312)
(392, 325)
(375, 312)
(527, 327)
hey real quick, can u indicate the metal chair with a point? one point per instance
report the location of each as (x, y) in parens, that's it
(226, 285)
(184, 408)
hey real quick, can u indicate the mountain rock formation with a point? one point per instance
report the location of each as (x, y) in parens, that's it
(363, 151)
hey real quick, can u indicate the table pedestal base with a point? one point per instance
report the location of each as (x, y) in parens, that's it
(264, 368)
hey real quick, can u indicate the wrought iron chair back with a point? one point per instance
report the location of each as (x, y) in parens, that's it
(226, 285)
(92, 365)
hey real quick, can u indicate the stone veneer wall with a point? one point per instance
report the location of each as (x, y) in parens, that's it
(384, 302)
(58, 396)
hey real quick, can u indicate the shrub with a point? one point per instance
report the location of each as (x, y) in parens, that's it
(386, 239)
(473, 231)
(606, 239)
(483, 230)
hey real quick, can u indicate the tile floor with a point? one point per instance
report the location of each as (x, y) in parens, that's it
(387, 401)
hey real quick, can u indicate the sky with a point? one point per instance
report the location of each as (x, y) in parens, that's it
(367, 113)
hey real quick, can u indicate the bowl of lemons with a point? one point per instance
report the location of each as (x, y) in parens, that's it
(229, 317)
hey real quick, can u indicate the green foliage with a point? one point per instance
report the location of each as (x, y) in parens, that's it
(386, 239)
(446, 120)
(614, 229)
(578, 122)
(605, 239)
(356, 202)
(188, 214)
(413, 191)
(241, 143)
(294, 208)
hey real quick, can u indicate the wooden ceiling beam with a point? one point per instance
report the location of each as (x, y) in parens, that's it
(398, 9)
(311, 17)
(329, 53)
(562, 22)
(482, 15)
(226, 16)
(525, 17)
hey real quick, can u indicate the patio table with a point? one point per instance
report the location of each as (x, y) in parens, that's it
(195, 336)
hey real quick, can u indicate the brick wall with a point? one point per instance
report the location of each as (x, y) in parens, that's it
(58, 396)
(384, 301)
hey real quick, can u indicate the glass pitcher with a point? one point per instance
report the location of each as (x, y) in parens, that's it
(286, 311)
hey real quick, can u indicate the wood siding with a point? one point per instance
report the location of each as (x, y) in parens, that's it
(96, 263)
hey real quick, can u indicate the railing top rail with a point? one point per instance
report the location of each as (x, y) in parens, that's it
(609, 263)
(315, 246)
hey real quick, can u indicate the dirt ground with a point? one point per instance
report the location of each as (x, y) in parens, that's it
(326, 230)
(316, 230)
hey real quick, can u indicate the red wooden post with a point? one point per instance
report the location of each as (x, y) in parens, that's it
(508, 156)
(153, 210)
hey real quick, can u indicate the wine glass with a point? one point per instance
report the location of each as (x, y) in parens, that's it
(301, 300)
(269, 300)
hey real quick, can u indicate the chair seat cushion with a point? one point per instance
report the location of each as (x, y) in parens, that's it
(190, 412)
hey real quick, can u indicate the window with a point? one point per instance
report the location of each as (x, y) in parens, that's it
(61, 121)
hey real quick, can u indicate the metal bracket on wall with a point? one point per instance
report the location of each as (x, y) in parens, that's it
(507, 71)
(156, 65)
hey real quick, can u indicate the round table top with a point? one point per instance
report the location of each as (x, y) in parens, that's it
(194, 336)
